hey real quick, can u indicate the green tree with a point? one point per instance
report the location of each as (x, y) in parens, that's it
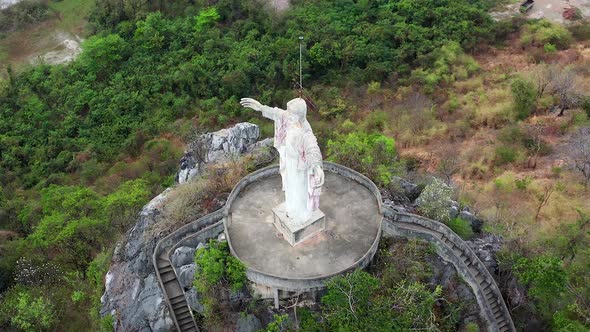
(525, 97)
(101, 54)
(122, 206)
(73, 224)
(206, 17)
(218, 272)
(370, 154)
(435, 201)
(360, 302)
(546, 279)
(352, 304)
(26, 311)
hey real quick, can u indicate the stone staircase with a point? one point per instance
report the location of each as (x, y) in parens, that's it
(458, 252)
(181, 313)
(449, 245)
(182, 316)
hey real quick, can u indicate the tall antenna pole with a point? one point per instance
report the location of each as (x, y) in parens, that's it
(300, 64)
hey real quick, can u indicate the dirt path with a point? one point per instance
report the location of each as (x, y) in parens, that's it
(549, 9)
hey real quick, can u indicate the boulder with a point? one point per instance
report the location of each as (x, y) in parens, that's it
(217, 146)
(192, 298)
(186, 275)
(485, 248)
(475, 222)
(183, 256)
(409, 189)
(221, 237)
(454, 212)
(249, 323)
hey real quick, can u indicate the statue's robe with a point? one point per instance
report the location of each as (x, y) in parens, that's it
(299, 153)
(281, 120)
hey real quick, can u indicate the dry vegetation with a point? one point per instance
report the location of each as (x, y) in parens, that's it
(520, 175)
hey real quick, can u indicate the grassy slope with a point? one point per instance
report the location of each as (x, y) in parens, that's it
(487, 94)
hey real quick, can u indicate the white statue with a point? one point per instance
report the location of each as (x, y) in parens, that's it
(300, 157)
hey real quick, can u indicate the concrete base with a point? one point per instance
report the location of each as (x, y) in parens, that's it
(296, 232)
(353, 223)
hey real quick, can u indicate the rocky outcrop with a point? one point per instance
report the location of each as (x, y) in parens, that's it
(455, 289)
(218, 146)
(182, 256)
(249, 323)
(474, 221)
(186, 275)
(132, 293)
(486, 248)
(192, 298)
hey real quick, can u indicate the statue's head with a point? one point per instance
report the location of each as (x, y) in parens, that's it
(297, 107)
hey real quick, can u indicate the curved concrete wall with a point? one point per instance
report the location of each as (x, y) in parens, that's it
(449, 245)
(303, 284)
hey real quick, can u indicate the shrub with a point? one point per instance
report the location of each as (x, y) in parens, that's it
(525, 97)
(22, 14)
(581, 31)
(523, 183)
(27, 311)
(277, 324)
(461, 227)
(217, 265)
(434, 201)
(95, 274)
(505, 155)
(450, 64)
(374, 155)
(350, 303)
(471, 327)
(545, 277)
(539, 33)
(550, 48)
(107, 323)
(217, 272)
(586, 106)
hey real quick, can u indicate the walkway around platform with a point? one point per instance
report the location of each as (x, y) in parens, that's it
(395, 223)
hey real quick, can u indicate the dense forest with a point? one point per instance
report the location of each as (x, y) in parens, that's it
(84, 145)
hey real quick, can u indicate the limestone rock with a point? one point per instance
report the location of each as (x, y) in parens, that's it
(192, 298)
(132, 291)
(486, 248)
(454, 288)
(409, 189)
(183, 256)
(215, 147)
(475, 222)
(186, 275)
(516, 293)
(249, 323)
(454, 212)
(221, 237)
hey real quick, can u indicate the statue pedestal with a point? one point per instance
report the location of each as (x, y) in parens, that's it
(297, 232)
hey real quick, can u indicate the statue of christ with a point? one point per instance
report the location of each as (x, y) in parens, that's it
(300, 158)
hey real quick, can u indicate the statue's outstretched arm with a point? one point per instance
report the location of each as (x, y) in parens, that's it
(267, 111)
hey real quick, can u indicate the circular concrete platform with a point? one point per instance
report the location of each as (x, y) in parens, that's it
(353, 226)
